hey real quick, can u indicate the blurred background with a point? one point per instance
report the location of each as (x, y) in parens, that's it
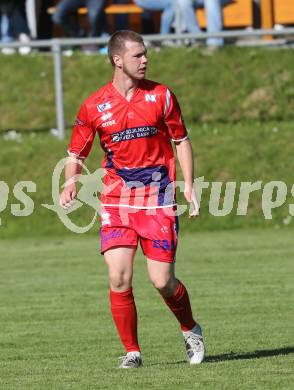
(236, 94)
(236, 90)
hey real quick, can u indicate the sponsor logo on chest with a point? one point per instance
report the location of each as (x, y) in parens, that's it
(106, 116)
(108, 123)
(150, 98)
(131, 115)
(104, 106)
(134, 133)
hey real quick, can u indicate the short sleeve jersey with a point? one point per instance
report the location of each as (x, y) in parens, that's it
(136, 137)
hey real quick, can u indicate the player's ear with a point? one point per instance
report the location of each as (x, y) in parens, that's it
(117, 60)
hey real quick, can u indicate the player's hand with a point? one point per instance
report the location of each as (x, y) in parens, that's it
(190, 195)
(67, 197)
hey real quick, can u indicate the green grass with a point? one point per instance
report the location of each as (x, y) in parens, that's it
(57, 333)
(235, 84)
(224, 152)
(238, 105)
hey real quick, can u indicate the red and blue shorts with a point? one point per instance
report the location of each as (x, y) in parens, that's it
(156, 229)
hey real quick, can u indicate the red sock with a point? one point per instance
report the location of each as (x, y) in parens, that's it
(180, 305)
(124, 314)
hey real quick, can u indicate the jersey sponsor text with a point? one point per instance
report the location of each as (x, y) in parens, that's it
(134, 133)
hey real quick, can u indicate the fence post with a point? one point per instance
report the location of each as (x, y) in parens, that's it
(58, 88)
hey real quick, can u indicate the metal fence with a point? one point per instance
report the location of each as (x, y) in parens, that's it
(56, 45)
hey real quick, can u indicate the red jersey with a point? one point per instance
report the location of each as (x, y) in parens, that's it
(136, 138)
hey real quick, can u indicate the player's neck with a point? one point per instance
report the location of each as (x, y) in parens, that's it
(125, 85)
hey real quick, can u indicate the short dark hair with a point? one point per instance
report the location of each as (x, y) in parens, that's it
(118, 40)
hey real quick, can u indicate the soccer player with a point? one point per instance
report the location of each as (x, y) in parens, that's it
(136, 119)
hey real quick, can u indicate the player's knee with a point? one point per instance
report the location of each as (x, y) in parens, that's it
(120, 281)
(163, 284)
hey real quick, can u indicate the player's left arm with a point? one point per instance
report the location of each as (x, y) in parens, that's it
(178, 133)
(186, 160)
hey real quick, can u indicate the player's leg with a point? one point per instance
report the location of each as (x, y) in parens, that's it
(120, 270)
(119, 262)
(174, 293)
(160, 250)
(176, 297)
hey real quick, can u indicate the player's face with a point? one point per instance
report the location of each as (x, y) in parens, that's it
(134, 60)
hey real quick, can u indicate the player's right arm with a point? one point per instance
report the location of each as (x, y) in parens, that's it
(73, 169)
(80, 145)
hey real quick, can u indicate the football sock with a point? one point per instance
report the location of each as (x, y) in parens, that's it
(124, 314)
(179, 304)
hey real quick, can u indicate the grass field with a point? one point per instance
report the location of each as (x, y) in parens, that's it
(56, 330)
(233, 85)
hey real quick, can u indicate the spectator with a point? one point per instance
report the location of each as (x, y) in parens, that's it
(14, 24)
(214, 18)
(4, 20)
(66, 9)
(5, 36)
(44, 20)
(121, 22)
(168, 11)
